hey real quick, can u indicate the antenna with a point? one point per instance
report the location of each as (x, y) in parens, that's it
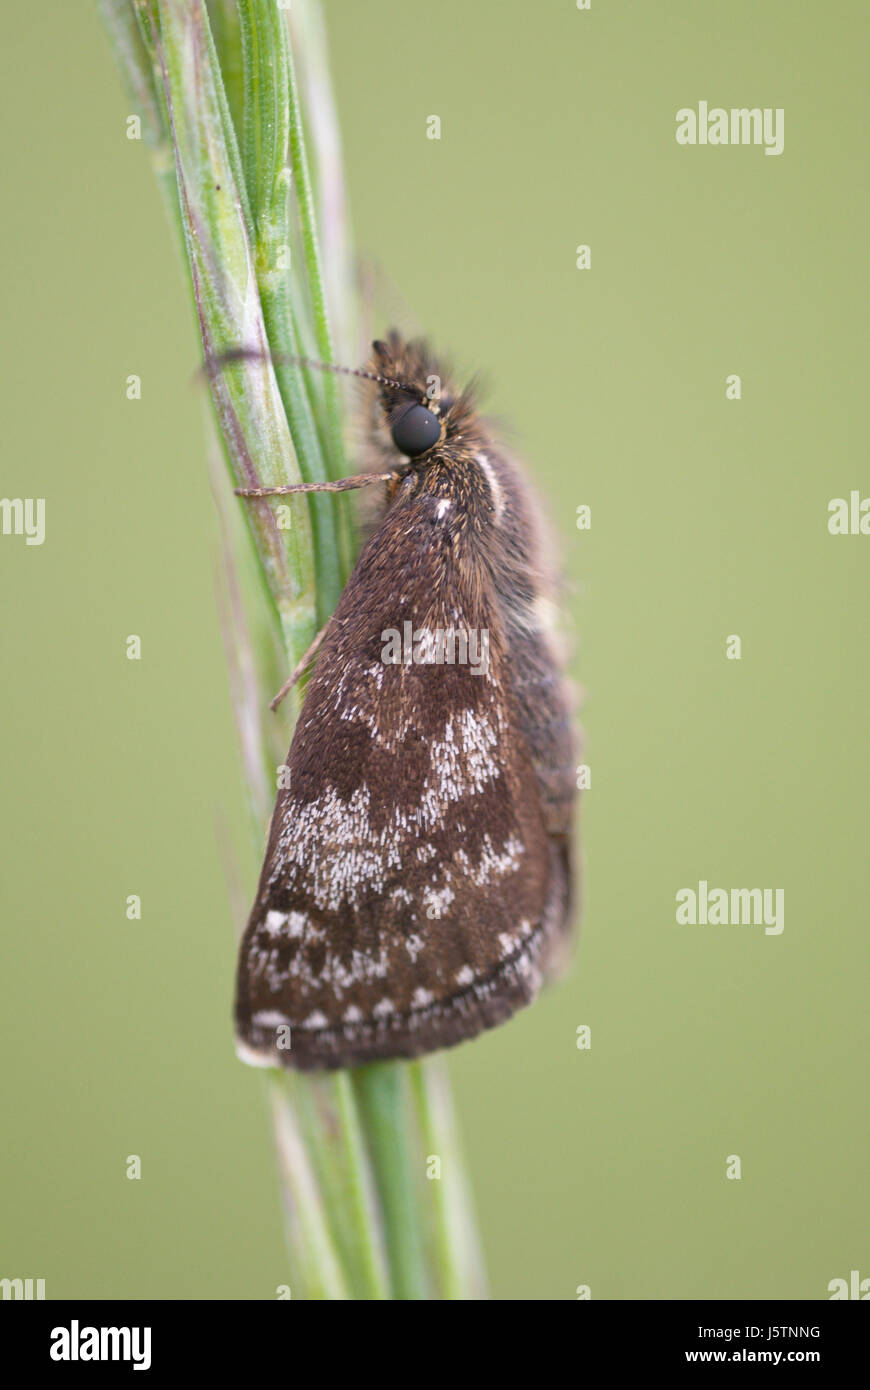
(243, 354)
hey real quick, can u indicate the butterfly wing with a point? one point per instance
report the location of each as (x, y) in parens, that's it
(410, 892)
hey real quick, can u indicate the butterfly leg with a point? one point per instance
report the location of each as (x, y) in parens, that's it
(341, 485)
(300, 666)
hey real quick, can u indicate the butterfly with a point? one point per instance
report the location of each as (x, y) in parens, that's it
(417, 881)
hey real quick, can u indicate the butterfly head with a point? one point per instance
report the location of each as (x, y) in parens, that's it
(416, 410)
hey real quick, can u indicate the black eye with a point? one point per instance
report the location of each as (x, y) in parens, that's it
(415, 430)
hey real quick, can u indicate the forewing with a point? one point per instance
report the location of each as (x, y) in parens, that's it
(410, 891)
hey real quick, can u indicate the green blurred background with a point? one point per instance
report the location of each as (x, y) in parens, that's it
(709, 517)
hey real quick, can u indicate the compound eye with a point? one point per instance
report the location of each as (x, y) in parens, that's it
(415, 430)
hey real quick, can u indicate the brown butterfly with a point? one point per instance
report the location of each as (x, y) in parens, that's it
(416, 887)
